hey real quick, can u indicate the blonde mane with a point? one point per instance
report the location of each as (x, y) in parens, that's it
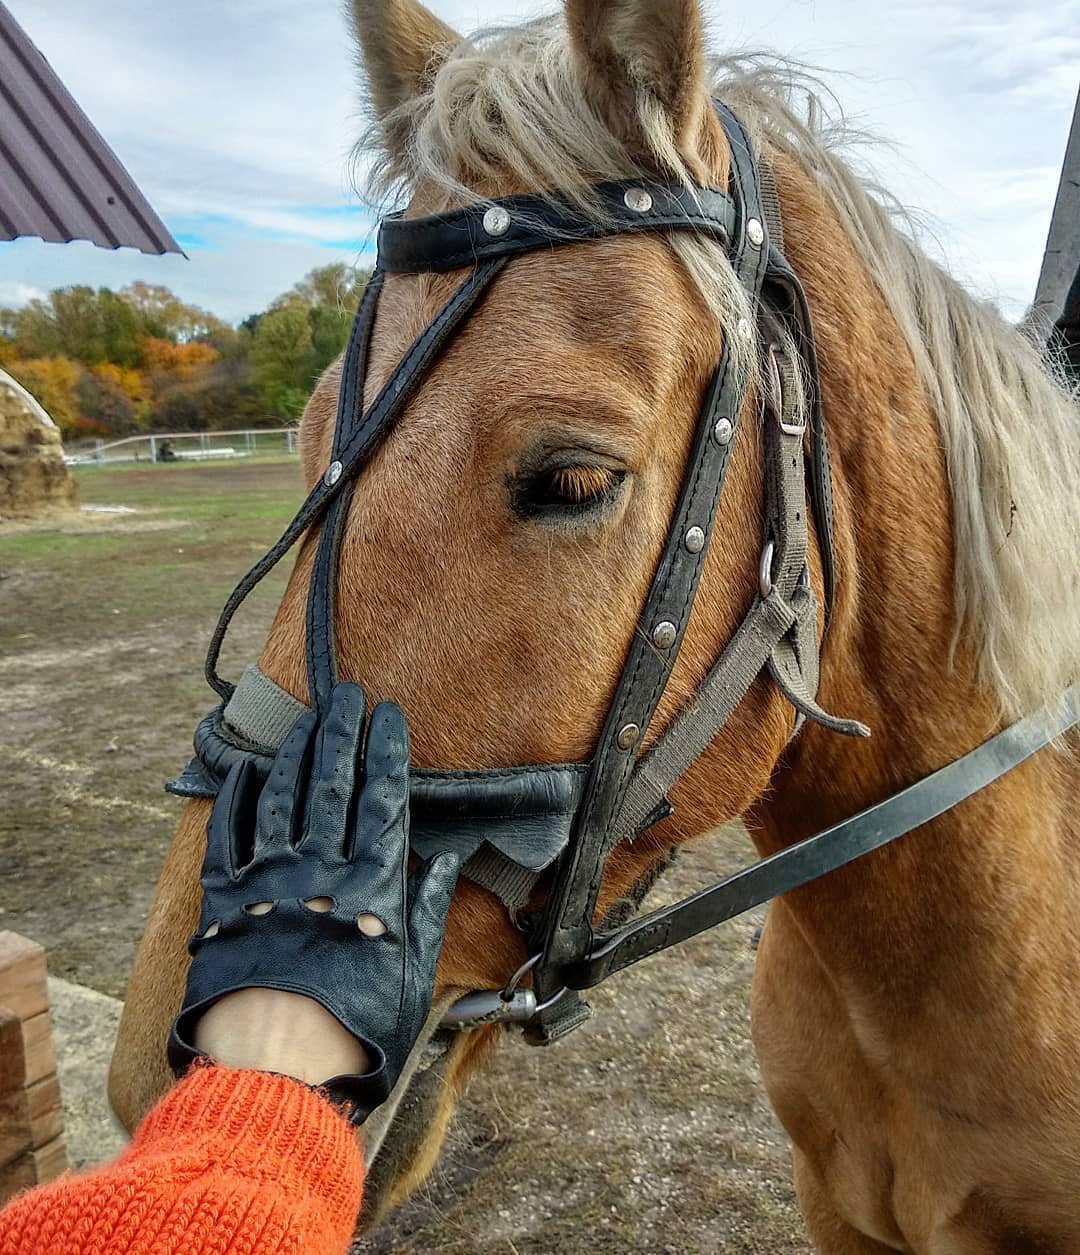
(511, 100)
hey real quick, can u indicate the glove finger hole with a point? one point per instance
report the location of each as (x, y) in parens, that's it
(319, 905)
(212, 931)
(259, 908)
(370, 925)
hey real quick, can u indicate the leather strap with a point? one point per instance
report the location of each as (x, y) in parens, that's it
(567, 925)
(816, 856)
(322, 590)
(459, 238)
(779, 633)
(354, 453)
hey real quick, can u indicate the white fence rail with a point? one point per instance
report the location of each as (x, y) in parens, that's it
(185, 446)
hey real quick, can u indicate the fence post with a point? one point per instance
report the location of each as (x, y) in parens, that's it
(153, 449)
(203, 442)
(289, 440)
(99, 451)
(249, 442)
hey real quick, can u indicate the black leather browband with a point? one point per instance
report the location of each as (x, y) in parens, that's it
(459, 238)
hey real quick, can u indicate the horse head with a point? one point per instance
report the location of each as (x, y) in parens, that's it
(502, 539)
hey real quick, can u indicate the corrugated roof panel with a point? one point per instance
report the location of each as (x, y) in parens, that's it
(58, 178)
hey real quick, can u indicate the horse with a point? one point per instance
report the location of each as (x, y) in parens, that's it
(915, 1014)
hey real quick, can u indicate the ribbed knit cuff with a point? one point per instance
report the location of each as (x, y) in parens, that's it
(265, 1126)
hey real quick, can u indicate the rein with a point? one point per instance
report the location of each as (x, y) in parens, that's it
(513, 825)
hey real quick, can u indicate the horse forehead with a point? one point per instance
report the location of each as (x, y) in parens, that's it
(612, 308)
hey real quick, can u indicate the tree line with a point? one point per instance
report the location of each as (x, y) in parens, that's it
(107, 363)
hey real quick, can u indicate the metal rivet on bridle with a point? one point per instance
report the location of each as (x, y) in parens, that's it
(743, 329)
(663, 635)
(637, 199)
(755, 233)
(694, 540)
(332, 475)
(497, 220)
(723, 431)
(627, 736)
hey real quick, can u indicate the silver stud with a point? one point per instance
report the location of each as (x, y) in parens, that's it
(723, 431)
(743, 329)
(497, 220)
(663, 635)
(627, 736)
(637, 199)
(755, 233)
(694, 540)
(333, 474)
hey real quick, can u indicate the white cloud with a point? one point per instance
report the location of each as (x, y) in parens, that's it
(237, 120)
(13, 292)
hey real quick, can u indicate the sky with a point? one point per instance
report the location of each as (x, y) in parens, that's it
(237, 117)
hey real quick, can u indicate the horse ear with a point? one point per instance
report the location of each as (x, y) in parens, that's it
(402, 46)
(643, 61)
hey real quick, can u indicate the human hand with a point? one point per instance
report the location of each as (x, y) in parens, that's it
(306, 891)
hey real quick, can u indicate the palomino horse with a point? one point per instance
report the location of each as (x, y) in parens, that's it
(916, 1013)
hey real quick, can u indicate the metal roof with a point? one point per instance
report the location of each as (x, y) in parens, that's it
(1061, 262)
(58, 178)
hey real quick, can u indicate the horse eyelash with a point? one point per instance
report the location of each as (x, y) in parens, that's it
(563, 490)
(579, 484)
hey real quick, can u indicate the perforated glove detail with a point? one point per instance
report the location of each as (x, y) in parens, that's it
(317, 831)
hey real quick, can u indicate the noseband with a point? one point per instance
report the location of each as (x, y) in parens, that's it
(513, 825)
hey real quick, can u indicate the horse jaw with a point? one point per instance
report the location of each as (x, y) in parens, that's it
(403, 1138)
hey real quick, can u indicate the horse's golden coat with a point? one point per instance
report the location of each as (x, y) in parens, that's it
(917, 1015)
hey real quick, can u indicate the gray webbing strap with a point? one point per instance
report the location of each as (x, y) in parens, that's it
(793, 666)
(770, 202)
(260, 711)
(685, 739)
(493, 871)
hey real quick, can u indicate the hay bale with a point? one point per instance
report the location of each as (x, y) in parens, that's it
(33, 477)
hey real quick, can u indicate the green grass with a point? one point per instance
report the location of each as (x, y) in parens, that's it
(103, 628)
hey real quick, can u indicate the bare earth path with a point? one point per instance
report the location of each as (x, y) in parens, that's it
(644, 1133)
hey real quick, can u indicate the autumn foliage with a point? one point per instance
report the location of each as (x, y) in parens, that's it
(110, 363)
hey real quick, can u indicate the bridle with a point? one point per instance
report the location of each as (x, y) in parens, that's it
(513, 825)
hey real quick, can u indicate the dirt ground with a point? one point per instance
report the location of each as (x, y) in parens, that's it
(644, 1133)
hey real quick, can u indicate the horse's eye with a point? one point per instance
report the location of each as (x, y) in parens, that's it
(565, 490)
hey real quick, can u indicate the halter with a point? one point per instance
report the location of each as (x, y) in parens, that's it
(513, 825)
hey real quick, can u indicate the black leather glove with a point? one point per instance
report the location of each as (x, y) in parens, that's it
(316, 831)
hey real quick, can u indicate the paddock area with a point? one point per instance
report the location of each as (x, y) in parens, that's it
(646, 1132)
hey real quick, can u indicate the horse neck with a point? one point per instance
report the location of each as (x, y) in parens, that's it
(963, 893)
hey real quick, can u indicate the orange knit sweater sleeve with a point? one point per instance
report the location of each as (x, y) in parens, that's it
(228, 1161)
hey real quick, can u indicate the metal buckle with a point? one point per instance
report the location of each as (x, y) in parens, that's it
(764, 578)
(510, 1005)
(776, 390)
